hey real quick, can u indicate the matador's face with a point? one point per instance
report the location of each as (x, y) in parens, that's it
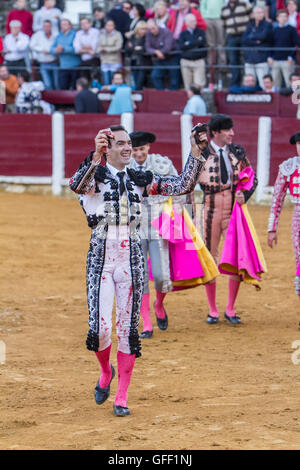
(119, 153)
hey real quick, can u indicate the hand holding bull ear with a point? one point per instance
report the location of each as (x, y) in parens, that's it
(198, 139)
(101, 143)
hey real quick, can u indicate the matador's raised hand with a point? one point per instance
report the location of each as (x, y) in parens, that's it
(101, 143)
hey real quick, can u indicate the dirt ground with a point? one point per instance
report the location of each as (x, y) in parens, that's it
(196, 386)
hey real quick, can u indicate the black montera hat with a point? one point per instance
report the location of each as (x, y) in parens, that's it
(140, 138)
(295, 138)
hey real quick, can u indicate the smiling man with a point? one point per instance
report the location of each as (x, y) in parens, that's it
(110, 196)
(218, 180)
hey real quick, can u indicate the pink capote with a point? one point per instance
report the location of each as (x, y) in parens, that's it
(241, 252)
(298, 270)
(184, 261)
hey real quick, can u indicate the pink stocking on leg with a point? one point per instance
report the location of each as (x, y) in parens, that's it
(145, 313)
(159, 307)
(233, 289)
(125, 368)
(103, 358)
(211, 290)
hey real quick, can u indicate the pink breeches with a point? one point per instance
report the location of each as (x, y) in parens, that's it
(116, 283)
(296, 233)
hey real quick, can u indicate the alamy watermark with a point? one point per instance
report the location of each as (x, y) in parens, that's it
(2, 352)
(295, 358)
(2, 93)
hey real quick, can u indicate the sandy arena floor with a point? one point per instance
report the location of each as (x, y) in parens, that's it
(195, 387)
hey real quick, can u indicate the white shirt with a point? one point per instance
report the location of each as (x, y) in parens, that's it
(89, 39)
(51, 14)
(226, 158)
(16, 45)
(293, 19)
(39, 42)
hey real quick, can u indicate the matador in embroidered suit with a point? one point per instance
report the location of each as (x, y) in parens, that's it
(111, 196)
(288, 178)
(218, 181)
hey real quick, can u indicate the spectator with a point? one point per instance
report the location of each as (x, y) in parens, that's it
(47, 12)
(110, 45)
(294, 15)
(1, 51)
(282, 62)
(248, 85)
(269, 84)
(161, 14)
(127, 7)
(99, 18)
(192, 43)
(271, 8)
(176, 22)
(68, 61)
(139, 14)
(15, 47)
(160, 44)
(236, 16)
(86, 43)
(86, 101)
(195, 105)
(211, 12)
(120, 18)
(40, 45)
(135, 50)
(20, 14)
(256, 38)
(121, 101)
(11, 88)
(60, 4)
(29, 98)
(294, 85)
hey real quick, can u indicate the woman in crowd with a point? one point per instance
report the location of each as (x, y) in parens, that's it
(135, 50)
(109, 46)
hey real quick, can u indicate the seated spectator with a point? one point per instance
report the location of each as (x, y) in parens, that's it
(127, 6)
(1, 51)
(294, 85)
(120, 18)
(60, 4)
(282, 62)
(211, 12)
(176, 22)
(135, 50)
(68, 60)
(109, 46)
(85, 44)
(138, 15)
(47, 12)
(15, 47)
(20, 14)
(236, 16)
(11, 88)
(192, 43)
(40, 45)
(99, 18)
(195, 105)
(269, 84)
(160, 44)
(294, 15)
(161, 14)
(256, 38)
(121, 101)
(29, 97)
(248, 85)
(86, 101)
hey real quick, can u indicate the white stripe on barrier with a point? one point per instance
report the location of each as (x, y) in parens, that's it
(263, 155)
(58, 152)
(186, 125)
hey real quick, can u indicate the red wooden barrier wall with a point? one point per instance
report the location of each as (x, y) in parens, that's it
(25, 145)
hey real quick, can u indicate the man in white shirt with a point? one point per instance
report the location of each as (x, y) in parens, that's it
(40, 45)
(85, 44)
(15, 47)
(195, 105)
(47, 12)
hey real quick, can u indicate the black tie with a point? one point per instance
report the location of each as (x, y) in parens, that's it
(224, 174)
(120, 175)
(140, 168)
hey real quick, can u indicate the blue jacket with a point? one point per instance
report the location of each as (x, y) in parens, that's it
(257, 38)
(285, 36)
(67, 59)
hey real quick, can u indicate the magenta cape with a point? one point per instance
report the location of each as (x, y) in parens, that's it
(298, 270)
(191, 264)
(242, 254)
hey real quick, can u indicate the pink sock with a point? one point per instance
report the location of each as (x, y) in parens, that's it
(103, 358)
(145, 313)
(125, 368)
(211, 290)
(159, 307)
(233, 288)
